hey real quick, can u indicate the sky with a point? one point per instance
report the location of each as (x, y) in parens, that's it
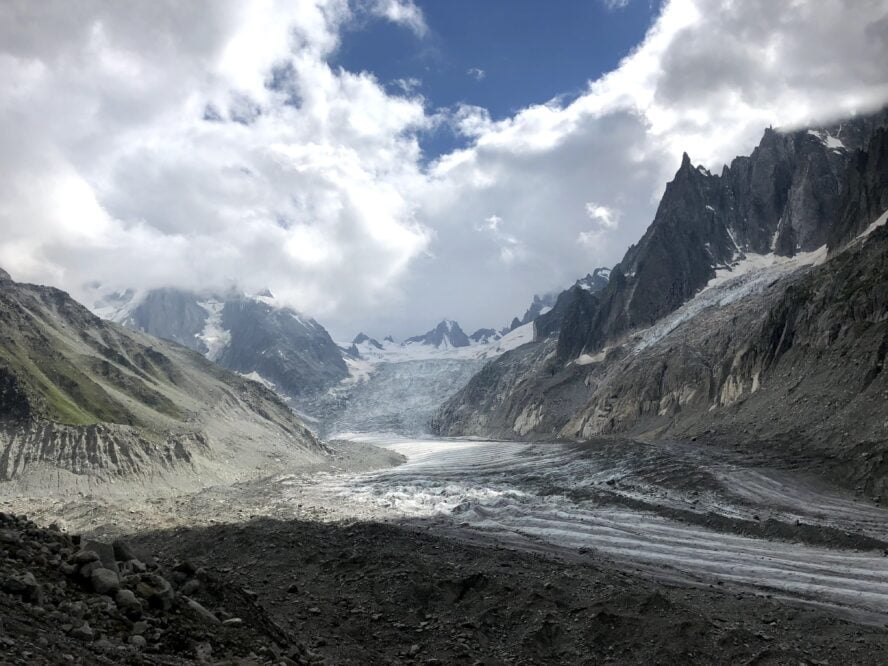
(383, 164)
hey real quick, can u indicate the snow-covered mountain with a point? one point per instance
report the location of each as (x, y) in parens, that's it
(446, 340)
(445, 335)
(277, 346)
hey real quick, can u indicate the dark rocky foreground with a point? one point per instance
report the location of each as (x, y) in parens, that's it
(285, 592)
(370, 593)
(64, 600)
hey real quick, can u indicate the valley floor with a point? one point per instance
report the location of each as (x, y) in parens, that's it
(506, 552)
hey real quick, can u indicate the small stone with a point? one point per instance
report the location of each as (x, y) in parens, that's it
(203, 651)
(190, 587)
(70, 569)
(138, 642)
(105, 551)
(128, 604)
(103, 645)
(156, 591)
(293, 588)
(233, 622)
(414, 650)
(140, 627)
(105, 581)
(84, 632)
(201, 612)
(86, 570)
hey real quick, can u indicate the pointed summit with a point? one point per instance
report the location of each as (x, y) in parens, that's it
(361, 338)
(445, 334)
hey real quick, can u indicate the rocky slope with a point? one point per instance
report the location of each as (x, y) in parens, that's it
(87, 404)
(784, 351)
(285, 350)
(70, 600)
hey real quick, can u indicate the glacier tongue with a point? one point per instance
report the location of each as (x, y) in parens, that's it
(397, 388)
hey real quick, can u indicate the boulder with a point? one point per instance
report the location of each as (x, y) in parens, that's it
(200, 612)
(105, 551)
(156, 590)
(128, 604)
(105, 581)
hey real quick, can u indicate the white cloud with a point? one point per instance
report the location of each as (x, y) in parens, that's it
(407, 85)
(308, 194)
(404, 12)
(615, 4)
(476, 73)
(604, 216)
(309, 179)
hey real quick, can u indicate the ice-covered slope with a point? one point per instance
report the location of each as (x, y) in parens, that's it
(397, 387)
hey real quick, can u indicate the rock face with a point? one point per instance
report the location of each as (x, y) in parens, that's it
(782, 199)
(792, 353)
(865, 194)
(84, 401)
(484, 335)
(292, 353)
(446, 334)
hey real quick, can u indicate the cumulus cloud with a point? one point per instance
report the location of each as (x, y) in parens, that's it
(227, 154)
(212, 143)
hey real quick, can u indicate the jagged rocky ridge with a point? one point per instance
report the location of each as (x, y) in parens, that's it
(447, 334)
(788, 356)
(85, 402)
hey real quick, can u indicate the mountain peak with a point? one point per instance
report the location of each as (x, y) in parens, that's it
(361, 338)
(5, 276)
(447, 333)
(594, 281)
